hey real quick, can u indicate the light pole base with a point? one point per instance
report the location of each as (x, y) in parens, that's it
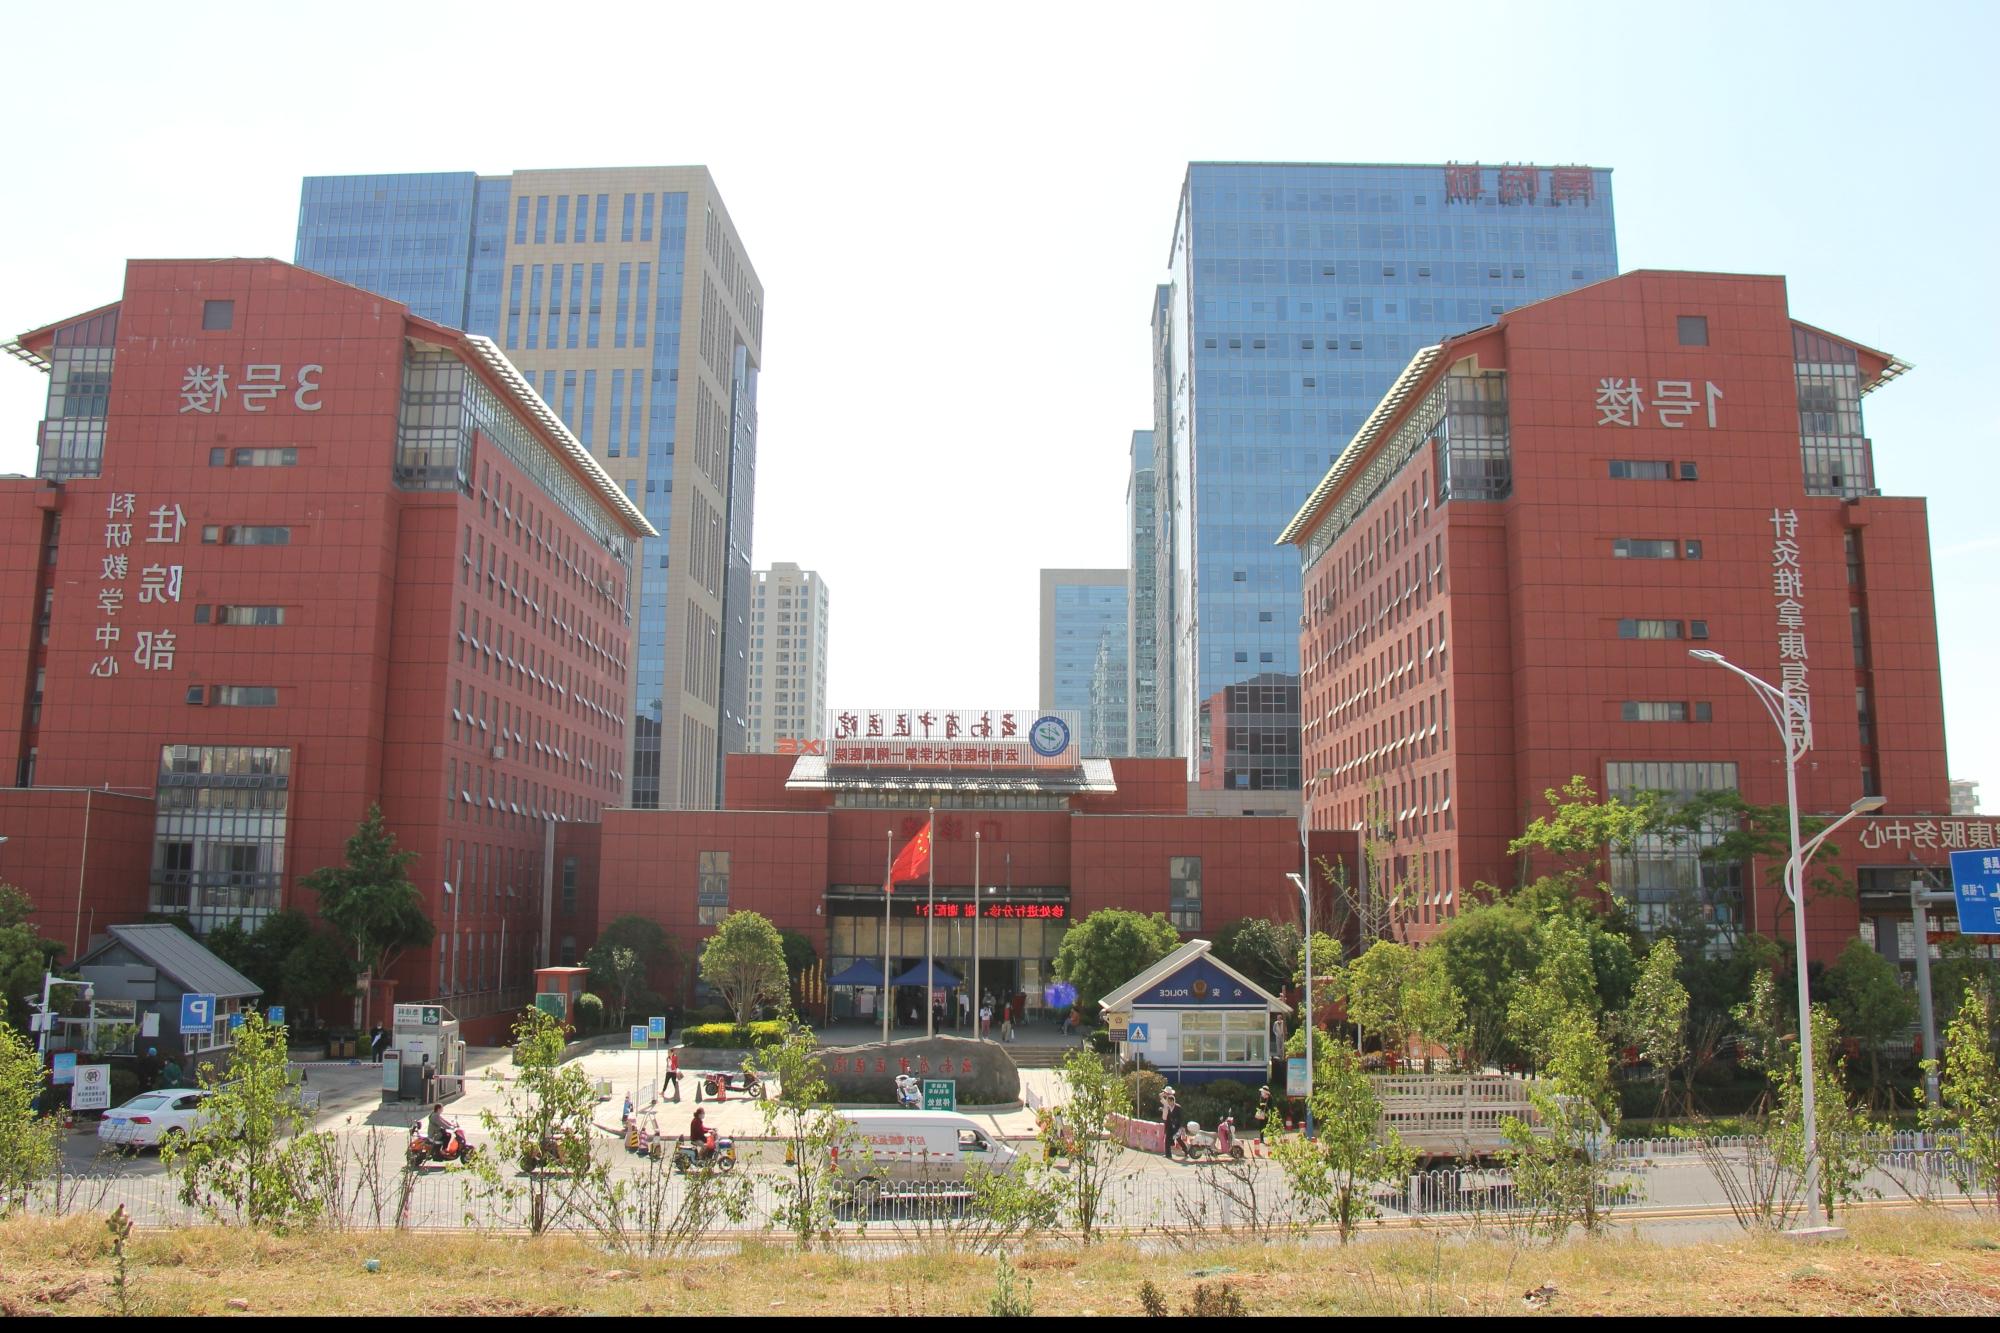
(1814, 1235)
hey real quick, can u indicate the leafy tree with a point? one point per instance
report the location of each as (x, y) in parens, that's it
(745, 960)
(1965, 966)
(543, 1124)
(1868, 1001)
(1080, 1133)
(802, 1117)
(623, 957)
(1656, 1020)
(1110, 947)
(1970, 1087)
(24, 954)
(1843, 1133)
(1374, 987)
(1560, 1169)
(1563, 985)
(1433, 1006)
(30, 1145)
(1267, 952)
(370, 901)
(1331, 1175)
(1486, 949)
(1579, 827)
(291, 962)
(236, 1164)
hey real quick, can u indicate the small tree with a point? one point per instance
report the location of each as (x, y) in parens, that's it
(370, 901)
(30, 1145)
(1561, 1167)
(24, 955)
(544, 1125)
(1079, 1133)
(623, 958)
(1267, 952)
(1331, 1175)
(1870, 1005)
(1656, 1020)
(1433, 1006)
(236, 1164)
(1375, 986)
(745, 960)
(1970, 1087)
(1563, 985)
(1110, 947)
(802, 1117)
(1845, 1154)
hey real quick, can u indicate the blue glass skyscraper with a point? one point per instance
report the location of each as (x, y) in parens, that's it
(1298, 292)
(626, 299)
(1085, 650)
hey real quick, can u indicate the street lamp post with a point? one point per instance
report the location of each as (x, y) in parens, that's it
(1304, 880)
(1794, 722)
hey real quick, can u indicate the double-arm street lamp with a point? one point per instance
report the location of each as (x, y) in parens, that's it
(1794, 722)
(1304, 882)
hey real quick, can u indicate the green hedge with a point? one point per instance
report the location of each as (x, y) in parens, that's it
(734, 1036)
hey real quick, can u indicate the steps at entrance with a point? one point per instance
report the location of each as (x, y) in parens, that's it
(1040, 1055)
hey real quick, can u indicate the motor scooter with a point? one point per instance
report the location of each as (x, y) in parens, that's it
(716, 1152)
(716, 1086)
(909, 1092)
(1197, 1144)
(423, 1149)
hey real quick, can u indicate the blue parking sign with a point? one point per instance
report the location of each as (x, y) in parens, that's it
(1975, 878)
(197, 1012)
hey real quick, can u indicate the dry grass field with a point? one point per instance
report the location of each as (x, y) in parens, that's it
(1900, 1262)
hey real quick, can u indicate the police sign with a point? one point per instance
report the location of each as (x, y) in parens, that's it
(1975, 878)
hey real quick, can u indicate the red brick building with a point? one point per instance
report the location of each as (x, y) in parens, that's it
(806, 842)
(291, 551)
(1505, 571)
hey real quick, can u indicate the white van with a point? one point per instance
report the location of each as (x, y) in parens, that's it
(918, 1147)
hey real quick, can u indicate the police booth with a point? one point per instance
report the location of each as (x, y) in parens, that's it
(1195, 1019)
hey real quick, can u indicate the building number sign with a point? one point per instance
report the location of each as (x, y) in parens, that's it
(1625, 402)
(205, 389)
(158, 584)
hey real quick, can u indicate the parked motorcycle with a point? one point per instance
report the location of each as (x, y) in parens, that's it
(716, 1152)
(713, 1086)
(1197, 1144)
(423, 1149)
(909, 1092)
(561, 1150)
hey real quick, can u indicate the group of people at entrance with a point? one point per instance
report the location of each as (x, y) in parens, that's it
(994, 1018)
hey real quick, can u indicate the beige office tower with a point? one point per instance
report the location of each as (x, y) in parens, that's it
(787, 659)
(625, 298)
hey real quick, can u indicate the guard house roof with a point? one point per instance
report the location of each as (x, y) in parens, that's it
(179, 957)
(1194, 960)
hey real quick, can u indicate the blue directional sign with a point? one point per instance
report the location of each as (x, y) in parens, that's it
(656, 1028)
(1975, 878)
(638, 1037)
(65, 1067)
(275, 1015)
(1135, 1035)
(235, 1019)
(197, 1012)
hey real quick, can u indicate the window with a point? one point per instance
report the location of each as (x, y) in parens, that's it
(1704, 712)
(1689, 472)
(1649, 629)
(569, 888)
(218, 314)
(1639, 548)
(712, 890)
(194, 694)
(1691, 550)
(249, 615)
(1216, 1038)
(213, 535)
(1693, 330)
(1184, 892)
(1652, 711)
(246, 696)
(1627, 470)
(266, 458)
(1697, 629)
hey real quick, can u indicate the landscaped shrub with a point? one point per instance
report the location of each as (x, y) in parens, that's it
(1207, 1103)
(589, 1014)
(733, 1036)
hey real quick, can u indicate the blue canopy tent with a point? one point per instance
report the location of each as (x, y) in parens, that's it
(938, 979)
(863, 973)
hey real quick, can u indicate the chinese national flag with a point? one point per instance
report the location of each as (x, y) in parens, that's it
(913, 862)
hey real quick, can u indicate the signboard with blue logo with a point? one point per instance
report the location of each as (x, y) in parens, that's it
(1975, 878)
(638, 1037)
(1201, 984)
(65, 1067)
(197, 1012)
(656, 1028)
(275, 1015)
(235, 1020)
(1135, 1034)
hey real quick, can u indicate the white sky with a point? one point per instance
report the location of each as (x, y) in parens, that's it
(960, 213)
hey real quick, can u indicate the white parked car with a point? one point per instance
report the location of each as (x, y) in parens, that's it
(150, 1117)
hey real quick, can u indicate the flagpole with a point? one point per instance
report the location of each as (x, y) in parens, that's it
(974, 1005)
(888, 891)
(930, 927)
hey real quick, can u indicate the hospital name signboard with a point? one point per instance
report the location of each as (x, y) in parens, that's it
(940, 738)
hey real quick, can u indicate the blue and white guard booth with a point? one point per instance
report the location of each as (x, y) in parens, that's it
(1195, 1019)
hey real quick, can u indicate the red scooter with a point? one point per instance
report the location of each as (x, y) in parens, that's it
(424, 1149)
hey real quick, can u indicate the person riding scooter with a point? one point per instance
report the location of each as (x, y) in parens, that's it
(438, 1127)
(698, 1134)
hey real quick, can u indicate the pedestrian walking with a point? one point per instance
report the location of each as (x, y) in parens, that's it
(964, 1008)
(1170, 1117)
(1263, 1117)
(673, 1082)
(377, 1040)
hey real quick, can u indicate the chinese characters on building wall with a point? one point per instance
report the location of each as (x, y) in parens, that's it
(1788, 590)
(1465, 183)
(1926, 834)
(158, 585)
(1622, 401)
(205, 389)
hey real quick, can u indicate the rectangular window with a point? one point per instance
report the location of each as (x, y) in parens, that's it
(1184, 892)
(603, 214)
(641, 298)
(1649, 629)
(618, 322)
(246, 696)
(265, 458)
(646, 216)
(1693, 330)
(552, 333)
(625, 227)
(589, 406)
(1697, 629)
(245, 536)
(194, 694)
(1645, 710)
(1642, 548)
(534, 304)
(575, 321)
(562, 219)
(569, 877)
(1859, 634)
(1691, 550)
(1690, 472)
(1623, 469)
(514, 305)
(1704, 712)
(249, 615)
(521, 220)
(541, 219)
(596, 304)
(217, 315)
(712, 888)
